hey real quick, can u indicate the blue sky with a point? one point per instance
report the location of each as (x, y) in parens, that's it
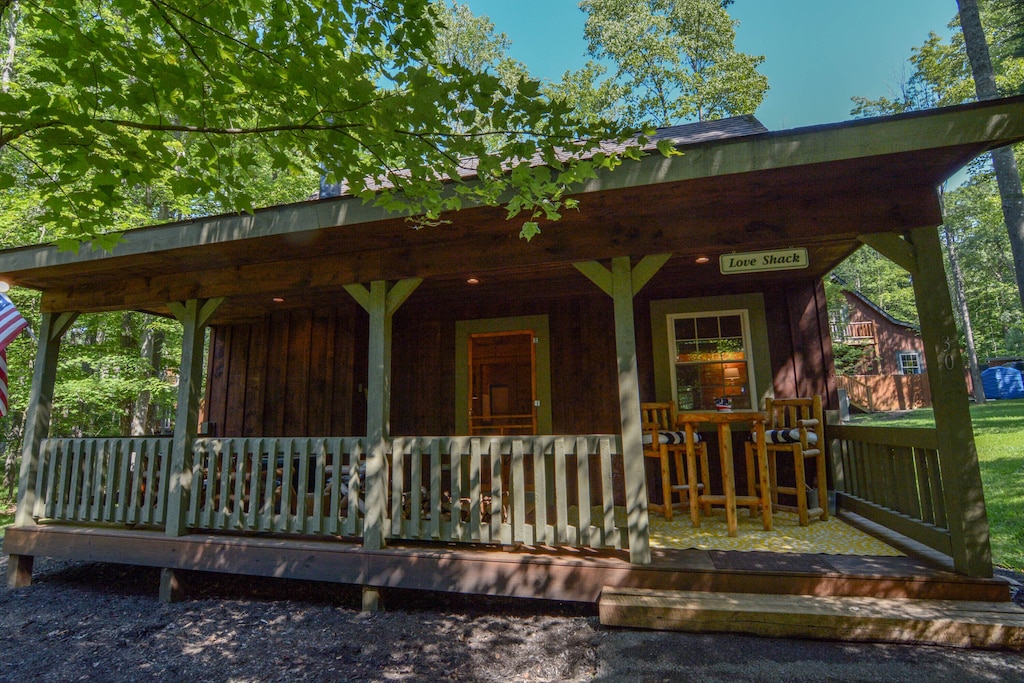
(818, 53)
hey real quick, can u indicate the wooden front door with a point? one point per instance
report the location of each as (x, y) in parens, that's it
(502, 383)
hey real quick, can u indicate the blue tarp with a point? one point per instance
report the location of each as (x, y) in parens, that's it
(1002, 381)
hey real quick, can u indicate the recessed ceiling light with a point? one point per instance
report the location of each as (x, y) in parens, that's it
(702, 259)
(472, 281)
(278, 299)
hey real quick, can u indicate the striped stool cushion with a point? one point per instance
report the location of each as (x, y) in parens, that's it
(670, 437)
(784, 436)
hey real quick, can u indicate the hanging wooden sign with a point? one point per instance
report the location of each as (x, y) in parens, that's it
(760, 261)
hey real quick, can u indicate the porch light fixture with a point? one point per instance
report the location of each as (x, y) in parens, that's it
(472, 281)
(702, 260)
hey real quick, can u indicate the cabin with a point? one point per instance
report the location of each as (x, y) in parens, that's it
(892, 374)
(455, 409)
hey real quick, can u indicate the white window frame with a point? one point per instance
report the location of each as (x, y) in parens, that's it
(748, 349)
(901, 355)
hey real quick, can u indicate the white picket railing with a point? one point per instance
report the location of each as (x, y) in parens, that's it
(531, 490)
(116, 480)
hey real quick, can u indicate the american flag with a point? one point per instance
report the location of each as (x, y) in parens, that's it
(11, 325)
(3, 382)
(11, 322)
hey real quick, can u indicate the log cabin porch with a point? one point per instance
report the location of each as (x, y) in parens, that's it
(334, 318)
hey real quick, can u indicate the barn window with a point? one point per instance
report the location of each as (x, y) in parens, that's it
(909, 362)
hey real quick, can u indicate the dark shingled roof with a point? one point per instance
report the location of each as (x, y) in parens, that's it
(681, 135)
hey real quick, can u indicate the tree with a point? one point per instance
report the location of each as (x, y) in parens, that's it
(1007, 175)
(973, 217)
(119, 94)
(675, 60)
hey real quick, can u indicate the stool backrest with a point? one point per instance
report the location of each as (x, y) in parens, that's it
(657, 416)
(794, 413)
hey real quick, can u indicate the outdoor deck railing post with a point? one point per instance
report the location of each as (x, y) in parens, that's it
(40, 404)
(194, 315)
(37, 427)
(622, 283)
(920, 253)
(958, 457)
(380, 301)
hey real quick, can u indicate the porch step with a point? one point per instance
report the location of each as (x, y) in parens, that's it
(897, 620)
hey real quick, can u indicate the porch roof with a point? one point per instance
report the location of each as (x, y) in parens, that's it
(818, 187)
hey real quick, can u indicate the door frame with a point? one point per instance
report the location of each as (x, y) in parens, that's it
(465, 328)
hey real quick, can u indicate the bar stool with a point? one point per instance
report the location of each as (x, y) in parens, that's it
(796, 428)
(662, 441)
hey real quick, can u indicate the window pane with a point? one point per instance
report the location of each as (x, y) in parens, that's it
(707, 327)
(732, 326)
(685, 329)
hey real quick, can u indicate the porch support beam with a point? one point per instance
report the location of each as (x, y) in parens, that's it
(40, 405)
(958, 457)
(893, 247)
(194, 315)
(380, 301)
(622, 283)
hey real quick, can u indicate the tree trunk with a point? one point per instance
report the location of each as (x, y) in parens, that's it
(1007, 175)
(149, 350)
(10, 22)
(965, 316)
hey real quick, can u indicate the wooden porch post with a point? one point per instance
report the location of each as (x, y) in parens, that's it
(622, 284)
(380, 302)
(921, 254)
(40, 404)
(194, 315)
(37, 427)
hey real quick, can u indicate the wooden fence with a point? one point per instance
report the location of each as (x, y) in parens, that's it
(892, 477)
(121, 481)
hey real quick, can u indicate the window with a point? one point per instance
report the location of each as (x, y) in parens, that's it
(909, 362)
(712, 359)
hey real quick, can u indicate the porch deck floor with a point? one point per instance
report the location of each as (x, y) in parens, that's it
(543, 573)
(830, 537)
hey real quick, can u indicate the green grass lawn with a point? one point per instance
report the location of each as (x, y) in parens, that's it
(999, 436)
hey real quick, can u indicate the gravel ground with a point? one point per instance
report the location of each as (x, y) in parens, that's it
(102, 622)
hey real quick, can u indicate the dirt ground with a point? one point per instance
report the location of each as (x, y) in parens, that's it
(102, 622)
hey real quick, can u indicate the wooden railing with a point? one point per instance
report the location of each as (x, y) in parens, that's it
(284, 485)
(120, 480)
(553, 490)
(859, 392)
(854, 332)
(892, 477)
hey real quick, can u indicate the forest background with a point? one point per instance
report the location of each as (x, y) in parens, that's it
(651, 63)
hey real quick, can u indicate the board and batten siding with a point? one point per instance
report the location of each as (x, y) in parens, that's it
(293, 374)
(303, 372)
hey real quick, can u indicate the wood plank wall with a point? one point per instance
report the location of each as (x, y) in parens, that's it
(801, 348)
(303, 373)
(293, 374)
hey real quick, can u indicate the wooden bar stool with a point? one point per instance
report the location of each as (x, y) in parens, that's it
(661, 441)
(796, 428)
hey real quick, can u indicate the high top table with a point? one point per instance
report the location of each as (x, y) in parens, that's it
(723, 420)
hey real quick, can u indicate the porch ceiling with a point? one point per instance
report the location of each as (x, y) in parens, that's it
(817, 187)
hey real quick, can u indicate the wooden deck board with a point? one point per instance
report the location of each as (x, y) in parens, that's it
(573, 575)
(943, 622)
